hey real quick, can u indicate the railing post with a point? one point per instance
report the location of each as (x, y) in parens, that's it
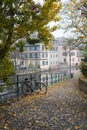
(62, 76)
(17, 89)
(55, 78)
(47, 79)
(59, 77)
(40, 77)
(31, 77)
(51, 80)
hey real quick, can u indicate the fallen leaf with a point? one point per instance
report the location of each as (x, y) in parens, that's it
(26, 129)
(6, 127)
(68, 129)
(37, 121)
(77, 127)
(14, 115)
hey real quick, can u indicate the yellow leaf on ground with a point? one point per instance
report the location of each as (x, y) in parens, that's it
(26, 129)
(14, 115)
(77, 127)
(6, 127)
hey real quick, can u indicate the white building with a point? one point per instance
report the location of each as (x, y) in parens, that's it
(36, 56)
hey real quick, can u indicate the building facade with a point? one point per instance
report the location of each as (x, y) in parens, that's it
(36, 56)
(69, 56)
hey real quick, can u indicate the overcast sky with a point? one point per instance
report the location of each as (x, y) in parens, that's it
(61, 0)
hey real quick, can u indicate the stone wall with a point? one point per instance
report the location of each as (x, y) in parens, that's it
(83, 85)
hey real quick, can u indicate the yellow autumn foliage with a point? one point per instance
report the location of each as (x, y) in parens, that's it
(20, 19)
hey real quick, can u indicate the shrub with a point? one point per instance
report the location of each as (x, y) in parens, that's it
(1, 88)
(83, 68)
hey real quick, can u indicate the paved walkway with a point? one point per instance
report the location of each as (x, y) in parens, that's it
(64, 107)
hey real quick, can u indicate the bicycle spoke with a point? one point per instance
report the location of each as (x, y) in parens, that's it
(42, 88)
(26, 90)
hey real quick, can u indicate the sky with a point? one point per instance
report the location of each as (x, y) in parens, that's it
(59, 33)
(41, 1)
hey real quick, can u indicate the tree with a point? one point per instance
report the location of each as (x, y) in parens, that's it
(75, 21)
(19, 19)
(6, 69)
(31, 64)
(80, 25)
(81, 17)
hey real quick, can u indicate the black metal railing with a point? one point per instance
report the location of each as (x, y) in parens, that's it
(13, 89)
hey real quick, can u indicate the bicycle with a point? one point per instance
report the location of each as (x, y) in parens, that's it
(28, 87)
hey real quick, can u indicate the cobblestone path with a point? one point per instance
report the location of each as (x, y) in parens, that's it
(64, 107)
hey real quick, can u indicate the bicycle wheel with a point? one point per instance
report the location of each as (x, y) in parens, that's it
(41, 87)
(26, 89)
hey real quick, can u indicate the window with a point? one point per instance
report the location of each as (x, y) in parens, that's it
(64, 59)
(46, 54)
(72, 53)
(73, 59)
(51, 63)
(36, 63)
(30, 55)
(43, 48)
(46, 62)
(22, 62)
(56, 48)
(53, 49)
(43, 63)
(36, 55)
(27, 48)
(64, 53)
(43, 55)
(32, 48)
(36, 48)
